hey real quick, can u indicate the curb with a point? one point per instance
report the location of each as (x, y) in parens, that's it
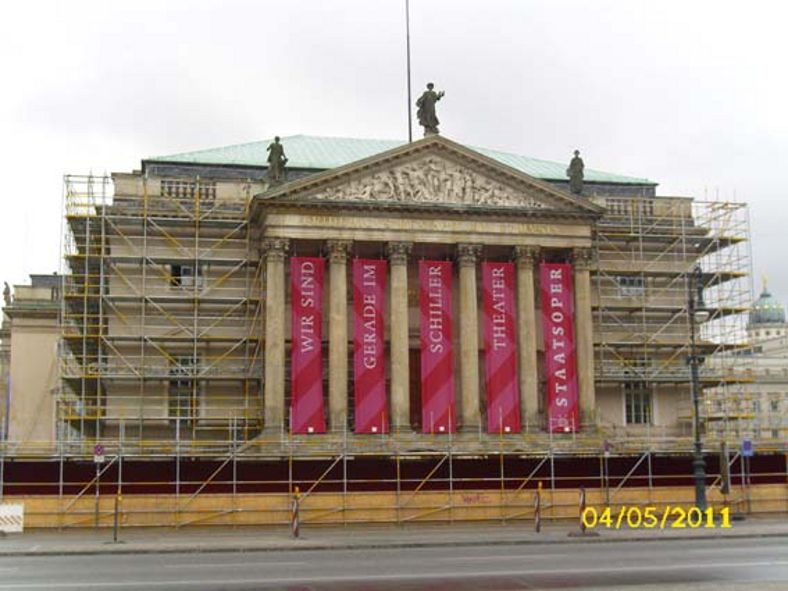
(313, 547)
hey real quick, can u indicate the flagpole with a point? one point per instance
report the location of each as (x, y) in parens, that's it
(407, 43)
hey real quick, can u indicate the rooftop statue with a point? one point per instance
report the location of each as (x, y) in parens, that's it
(426, 110)
(575, 174)
(276, 162)
(6, 294)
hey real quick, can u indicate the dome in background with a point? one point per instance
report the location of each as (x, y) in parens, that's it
(766, 310)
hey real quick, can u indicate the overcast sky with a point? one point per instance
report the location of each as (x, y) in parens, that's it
(692, 94)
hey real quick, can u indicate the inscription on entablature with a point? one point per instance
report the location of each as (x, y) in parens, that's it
(413, 225)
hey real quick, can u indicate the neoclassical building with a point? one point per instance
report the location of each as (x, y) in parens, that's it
(384, 293)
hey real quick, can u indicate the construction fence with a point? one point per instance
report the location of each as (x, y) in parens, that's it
(396, 490)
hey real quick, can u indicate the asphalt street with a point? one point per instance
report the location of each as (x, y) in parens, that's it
(678, 564)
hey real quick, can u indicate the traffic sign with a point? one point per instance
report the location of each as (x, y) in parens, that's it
(746, 448)
(98, 453)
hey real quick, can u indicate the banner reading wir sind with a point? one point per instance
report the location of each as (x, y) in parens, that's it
(307, 413)
(559, 347)
(437, 359)
(500, 349)
(369, 298)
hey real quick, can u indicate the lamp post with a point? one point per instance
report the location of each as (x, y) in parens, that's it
(698, 314)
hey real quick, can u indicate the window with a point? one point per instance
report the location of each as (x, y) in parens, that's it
(629, 286)
(637, 402)
(756, 406)
(185, 275)
(183, 400)
(774, 405)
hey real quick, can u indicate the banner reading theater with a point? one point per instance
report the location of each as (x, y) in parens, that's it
(306, 412)
(437, 360)
(500, 349)
(559, 347)
(369, 298)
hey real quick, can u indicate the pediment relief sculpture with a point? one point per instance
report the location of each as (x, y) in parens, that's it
(432, 180)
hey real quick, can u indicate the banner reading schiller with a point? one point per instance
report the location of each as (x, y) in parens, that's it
(559, 347)
(307, 412)
(437, 359)
(500, 349)
(369, 298)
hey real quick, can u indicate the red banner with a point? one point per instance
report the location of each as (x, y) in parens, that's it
(306, 412)
(437, 358)
(559, 347)
(500, 348)
(369, 370)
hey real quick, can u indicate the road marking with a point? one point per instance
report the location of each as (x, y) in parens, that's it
(393, 577)
(501, 557)
(230, 564)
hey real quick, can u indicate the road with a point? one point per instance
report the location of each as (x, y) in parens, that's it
(679, 564)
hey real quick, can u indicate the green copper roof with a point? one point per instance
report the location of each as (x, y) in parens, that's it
(322, 153)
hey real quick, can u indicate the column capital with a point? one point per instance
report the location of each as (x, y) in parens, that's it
(338, 250)
(275, 249)
(468, 254)
(526, 256)
(398, 252)
(582, 258)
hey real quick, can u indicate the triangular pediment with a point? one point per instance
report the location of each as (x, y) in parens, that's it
(433, 171)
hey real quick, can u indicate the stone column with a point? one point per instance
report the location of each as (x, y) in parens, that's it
(399, 336)
(584, 334)
(526, 257)
(337, 334)
(274, 251)
(468, 255)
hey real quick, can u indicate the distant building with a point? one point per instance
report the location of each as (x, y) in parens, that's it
(29, 362)
(756, 407)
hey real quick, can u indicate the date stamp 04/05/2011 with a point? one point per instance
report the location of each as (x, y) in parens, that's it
(671, 517)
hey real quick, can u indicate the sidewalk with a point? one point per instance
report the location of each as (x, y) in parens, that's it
(254, 539)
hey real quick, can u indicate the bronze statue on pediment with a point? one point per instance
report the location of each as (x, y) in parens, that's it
(575, 174)
(428, 119)
(276, 162)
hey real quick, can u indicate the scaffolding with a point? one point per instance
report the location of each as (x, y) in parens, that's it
(646, 250)
(160, 307)
(162, 322)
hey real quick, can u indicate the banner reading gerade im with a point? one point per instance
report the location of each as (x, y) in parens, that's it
(369, 370)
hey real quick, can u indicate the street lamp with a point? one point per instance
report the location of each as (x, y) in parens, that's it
(698, 314)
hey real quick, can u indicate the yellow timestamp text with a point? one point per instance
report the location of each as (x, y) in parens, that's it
(671, 517)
